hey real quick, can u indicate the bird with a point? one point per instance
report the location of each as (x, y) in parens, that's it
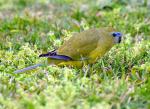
(82, 48)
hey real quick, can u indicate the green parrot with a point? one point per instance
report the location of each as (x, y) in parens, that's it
(81, 49)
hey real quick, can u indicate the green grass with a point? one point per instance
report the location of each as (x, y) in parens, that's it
(119, 80)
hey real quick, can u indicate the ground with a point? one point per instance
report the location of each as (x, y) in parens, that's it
(119, 80)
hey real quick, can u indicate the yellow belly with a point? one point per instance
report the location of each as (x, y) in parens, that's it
(62, 63)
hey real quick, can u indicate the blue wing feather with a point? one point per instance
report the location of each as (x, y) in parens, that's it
(53, 55)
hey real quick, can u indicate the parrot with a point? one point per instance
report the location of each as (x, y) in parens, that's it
(82, 48)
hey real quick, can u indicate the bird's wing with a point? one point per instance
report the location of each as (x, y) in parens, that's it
(80, 45)
(53, 55)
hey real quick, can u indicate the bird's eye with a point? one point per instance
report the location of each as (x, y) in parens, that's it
(114, 34)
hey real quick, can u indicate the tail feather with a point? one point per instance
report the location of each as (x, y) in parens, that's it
(27, 68)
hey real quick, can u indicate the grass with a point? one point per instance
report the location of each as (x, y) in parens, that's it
(119, 80)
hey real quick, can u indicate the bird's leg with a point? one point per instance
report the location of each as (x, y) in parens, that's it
(86, 70)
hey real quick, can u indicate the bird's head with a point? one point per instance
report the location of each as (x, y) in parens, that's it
(117, 36)
(111, 35)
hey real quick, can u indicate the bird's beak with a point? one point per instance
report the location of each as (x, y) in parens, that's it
(119, 39)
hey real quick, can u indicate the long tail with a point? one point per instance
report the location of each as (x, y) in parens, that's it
(27, 68)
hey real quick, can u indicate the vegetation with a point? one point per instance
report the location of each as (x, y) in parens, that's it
(120, 80)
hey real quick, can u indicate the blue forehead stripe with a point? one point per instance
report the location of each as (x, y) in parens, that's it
(116, 34)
